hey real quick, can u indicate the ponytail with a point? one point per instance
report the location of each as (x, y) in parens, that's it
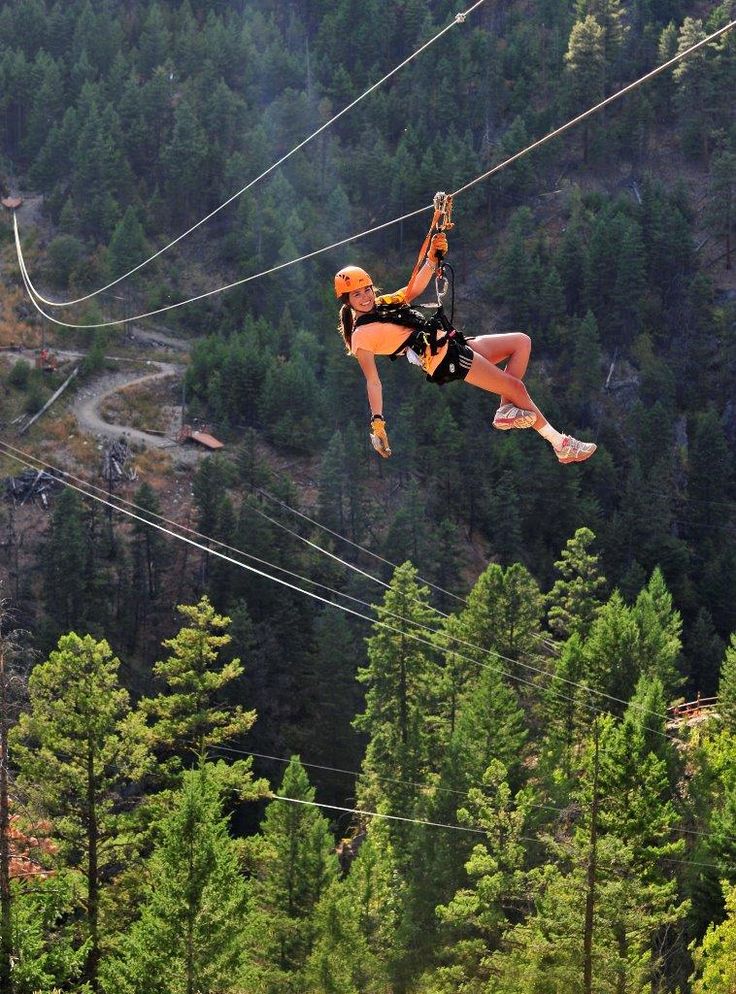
(345, 323)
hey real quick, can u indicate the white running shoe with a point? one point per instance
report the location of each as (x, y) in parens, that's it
(508, 416)
(572, 450)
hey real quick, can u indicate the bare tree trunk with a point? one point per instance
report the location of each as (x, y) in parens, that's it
(6, 931)
(590, 894)
(93, 959)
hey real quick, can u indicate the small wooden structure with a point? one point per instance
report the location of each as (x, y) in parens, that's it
(11, 203)
(201, 437)
(688, 710)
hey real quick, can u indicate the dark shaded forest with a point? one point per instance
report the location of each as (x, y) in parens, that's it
(513, 799)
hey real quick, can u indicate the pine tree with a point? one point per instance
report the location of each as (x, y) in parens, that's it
(127, 245)
(183, 160)
(612, 17)
(585, 63)
(612, 651)
(65, 562)
(296, 865)
(47, 954)
(563, 700)
(355, 923)
(660, 634)
(77, 748)
(727, 687)
(574, 599)
(188, 717)
(477, 916)
(695, 86)
(191, 934)
(401, 678)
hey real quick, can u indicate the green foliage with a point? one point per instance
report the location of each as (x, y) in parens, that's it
(715, 957)
(296, 864)
(19, 375)
(78, 748)
(187, 718)
(355, 922)
(64, 254)
(401, 679)
(574, 599)
(727, 688)
(191, 930)
(46, 955)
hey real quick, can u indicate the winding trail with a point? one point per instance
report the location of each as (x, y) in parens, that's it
(87, 403)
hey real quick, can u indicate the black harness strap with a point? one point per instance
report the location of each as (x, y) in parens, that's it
(424, 330)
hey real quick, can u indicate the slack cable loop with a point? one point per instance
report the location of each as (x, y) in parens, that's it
(386, 224)
(208, 293)
(458, 19)
(66, 477)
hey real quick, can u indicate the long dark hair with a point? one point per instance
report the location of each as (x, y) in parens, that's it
(346, 322)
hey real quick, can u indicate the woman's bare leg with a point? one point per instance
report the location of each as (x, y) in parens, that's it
(514, 346)
(484, 374)
(487, 376)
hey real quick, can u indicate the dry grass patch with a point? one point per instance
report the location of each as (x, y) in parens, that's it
(154, 466)
(147, 407)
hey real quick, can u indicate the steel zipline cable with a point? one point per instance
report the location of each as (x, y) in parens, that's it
(146, 517)
(458, 19)
(709, 39)
(429, 787)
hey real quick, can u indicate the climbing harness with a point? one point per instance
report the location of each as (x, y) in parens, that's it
(441, 222)
(429, 334)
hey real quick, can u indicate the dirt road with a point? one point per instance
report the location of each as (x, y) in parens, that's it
(87, 403)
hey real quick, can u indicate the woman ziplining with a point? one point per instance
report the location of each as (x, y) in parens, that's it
(373, 325)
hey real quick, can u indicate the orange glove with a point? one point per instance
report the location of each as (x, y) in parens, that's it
(438, 245)
(379, 438)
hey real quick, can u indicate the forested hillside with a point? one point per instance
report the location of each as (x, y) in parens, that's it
(468, 676)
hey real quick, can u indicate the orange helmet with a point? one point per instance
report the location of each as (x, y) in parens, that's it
(351, 278)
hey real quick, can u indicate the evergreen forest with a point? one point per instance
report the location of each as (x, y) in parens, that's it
(287, 718)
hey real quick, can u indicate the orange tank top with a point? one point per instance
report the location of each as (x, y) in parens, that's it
(384, 337)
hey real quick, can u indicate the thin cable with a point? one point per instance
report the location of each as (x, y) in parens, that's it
(361, 548)
(354, 773)
(5, 446)
(208, 293)
(13, 452)
(415, 783)
(368, 231)
(458, 19)
(456, 828)
(596, 108)
(379, 814)
(319, 548)
(459, 641)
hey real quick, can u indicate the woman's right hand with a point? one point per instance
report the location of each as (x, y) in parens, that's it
(379, 438)
(437, 247)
